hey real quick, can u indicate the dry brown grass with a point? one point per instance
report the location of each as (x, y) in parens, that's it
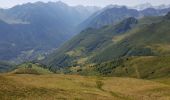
(161, 48)
(74, 87)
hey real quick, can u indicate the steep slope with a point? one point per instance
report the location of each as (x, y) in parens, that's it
(150, 40)
(108, 15)
(34, 29)
(87, 43)
(147, 37)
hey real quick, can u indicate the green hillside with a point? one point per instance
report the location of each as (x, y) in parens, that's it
(96, 45)
(83, 46)
(30, 68)
(145, 67)
(150, 40)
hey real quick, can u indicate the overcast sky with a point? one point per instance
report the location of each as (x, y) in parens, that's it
(10, 3)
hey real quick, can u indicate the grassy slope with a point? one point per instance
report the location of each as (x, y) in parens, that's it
(150, 40)
(73, 87)
(145, 67)
(87, 43)
(34, 69)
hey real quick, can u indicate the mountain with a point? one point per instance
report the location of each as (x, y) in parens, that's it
(146, 37)
(113, 14)
(150, 40)
(34, 29)
(108, 15)
(88, 42)
(155, 12)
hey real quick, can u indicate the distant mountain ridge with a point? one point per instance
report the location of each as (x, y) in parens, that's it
(148, 5)
(113, 14)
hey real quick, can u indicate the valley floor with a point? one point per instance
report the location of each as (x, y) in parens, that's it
(75, 87)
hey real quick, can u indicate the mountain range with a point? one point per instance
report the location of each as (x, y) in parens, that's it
(33, 29)
(113, 14)
(148, 5)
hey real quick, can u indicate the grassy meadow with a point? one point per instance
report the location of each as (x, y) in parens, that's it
(75, 87)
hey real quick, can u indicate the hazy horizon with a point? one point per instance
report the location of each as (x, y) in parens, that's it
(100, 3)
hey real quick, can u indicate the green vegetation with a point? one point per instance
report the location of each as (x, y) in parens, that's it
(146, 37)
(144, 67)
(138, 67)
(30, 68)
(87, 43)
(146, 41)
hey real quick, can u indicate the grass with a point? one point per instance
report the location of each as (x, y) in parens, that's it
(144, 67)
(99, 84)
(29, 68)
(163, 80)
(75, 87)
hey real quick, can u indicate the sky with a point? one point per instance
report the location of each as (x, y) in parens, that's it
(101, 3)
